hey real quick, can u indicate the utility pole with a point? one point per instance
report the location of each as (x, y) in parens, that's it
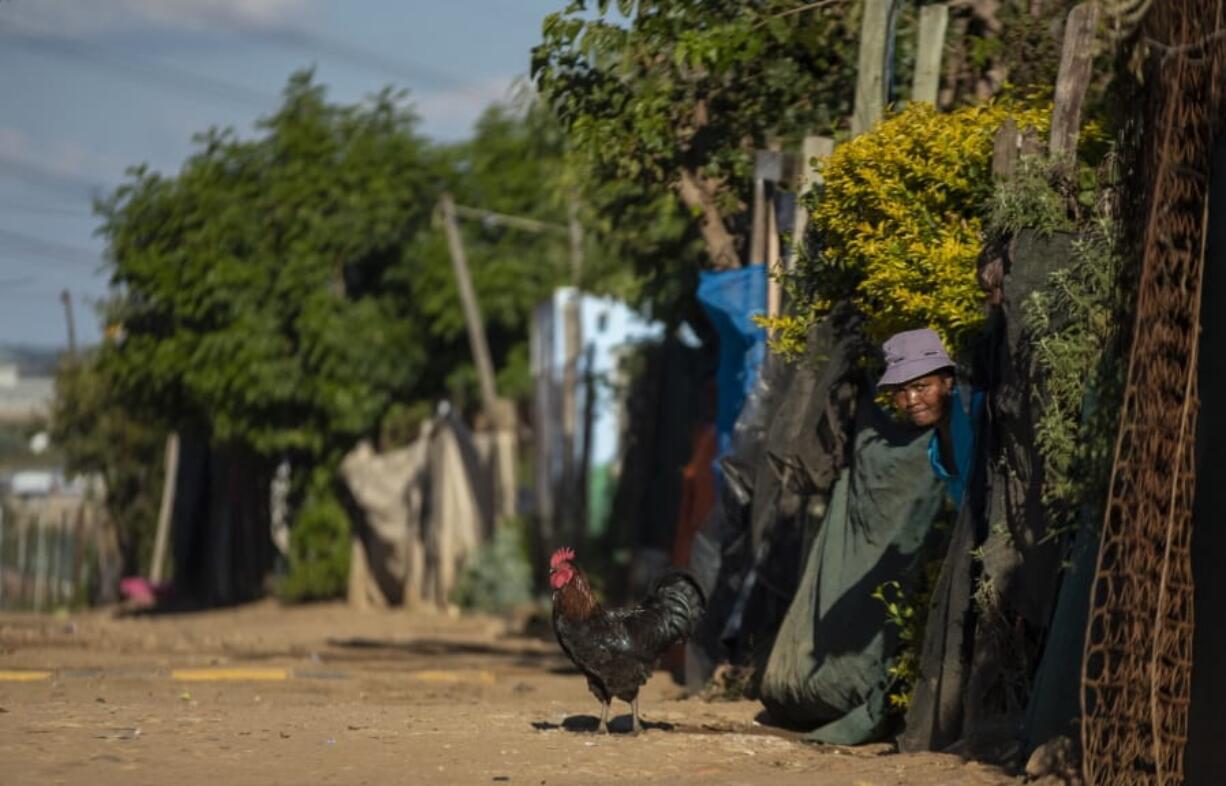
(573, 471)
(499, 414)
(66, 299)
(472, 313)
(166, 509)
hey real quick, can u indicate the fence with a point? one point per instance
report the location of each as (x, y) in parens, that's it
(48, 552)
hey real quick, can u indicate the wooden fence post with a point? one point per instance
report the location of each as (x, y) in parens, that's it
(23, 547)
(874, 67)
(78, 525)
(40, 565)
(53, 570)
(574, 474)
(812, 147)
(774, 285)
(1, 556)
(933, 22)
(1073, 79)
(166, 508)
(757, 228)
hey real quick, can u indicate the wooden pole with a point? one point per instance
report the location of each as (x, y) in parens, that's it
(757, 236)
(1, 556)
(874, 67)
(40, 565)
(76, 553)
(585, 455)
(933, 22)
(170, 464)
(23, 557)
(568, 505)
(813, 147)
(1073, 79)
(472, 313)
(66, 299)
(501, 414)
(572, 464)
(517, 222)
(57, 562)
(774, 286)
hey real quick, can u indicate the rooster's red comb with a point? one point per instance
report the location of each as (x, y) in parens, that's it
(564, 554)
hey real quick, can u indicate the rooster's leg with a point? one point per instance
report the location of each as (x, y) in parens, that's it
(636, 727)
(603, 728)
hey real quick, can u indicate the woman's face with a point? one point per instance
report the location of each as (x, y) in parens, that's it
(924, 400)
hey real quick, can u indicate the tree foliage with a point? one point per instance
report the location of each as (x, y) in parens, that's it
(265, 296)
(512, 164)
(320, 546)
(900, 218)
(678, 93)
(292, 292)
(97, 433)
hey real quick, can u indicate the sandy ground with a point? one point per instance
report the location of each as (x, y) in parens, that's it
(323, 695)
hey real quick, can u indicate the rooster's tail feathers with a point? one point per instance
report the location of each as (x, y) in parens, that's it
(681, 599)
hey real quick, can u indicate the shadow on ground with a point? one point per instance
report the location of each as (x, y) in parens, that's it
(361, 648)
(587, 724)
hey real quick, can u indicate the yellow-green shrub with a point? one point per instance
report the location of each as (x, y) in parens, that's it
(900, 223)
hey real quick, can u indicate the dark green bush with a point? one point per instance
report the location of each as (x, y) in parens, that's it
(319, 545)
(499, 578)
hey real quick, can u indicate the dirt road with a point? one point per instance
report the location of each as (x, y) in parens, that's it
(323, 695)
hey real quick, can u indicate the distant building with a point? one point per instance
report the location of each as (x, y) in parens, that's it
(607, 329)
(27, 385)
(23, 399)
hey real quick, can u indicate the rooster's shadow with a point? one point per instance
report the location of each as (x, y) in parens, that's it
(587, 724)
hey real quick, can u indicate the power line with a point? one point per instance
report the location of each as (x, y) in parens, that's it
(168, 75)
(26, 295)
(44, 210)
(58, 182)
(340, 50)
(336, 49)
(49, 249)
(173, 76)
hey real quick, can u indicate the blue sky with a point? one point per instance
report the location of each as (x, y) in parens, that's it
(90, 87)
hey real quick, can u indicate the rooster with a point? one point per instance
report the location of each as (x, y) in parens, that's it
(617, 649)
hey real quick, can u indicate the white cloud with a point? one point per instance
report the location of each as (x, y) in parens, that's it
(13, 144)
(83, 17)
(64, 160)
(449, 115)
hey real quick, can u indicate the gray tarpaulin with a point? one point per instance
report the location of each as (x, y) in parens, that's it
(425, 511)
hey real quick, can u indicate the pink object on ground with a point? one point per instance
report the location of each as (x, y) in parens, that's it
(141, 591)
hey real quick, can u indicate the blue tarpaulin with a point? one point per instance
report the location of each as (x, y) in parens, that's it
(731, 299)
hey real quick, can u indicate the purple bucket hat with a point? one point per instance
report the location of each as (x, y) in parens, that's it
(913, 354)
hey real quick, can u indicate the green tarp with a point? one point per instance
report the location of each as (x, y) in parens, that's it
(829, 666)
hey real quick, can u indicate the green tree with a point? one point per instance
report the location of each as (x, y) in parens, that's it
(512, 164)
(291, 294)
(517, 163)
(677, 94)
(97, 433)
(265, 295)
